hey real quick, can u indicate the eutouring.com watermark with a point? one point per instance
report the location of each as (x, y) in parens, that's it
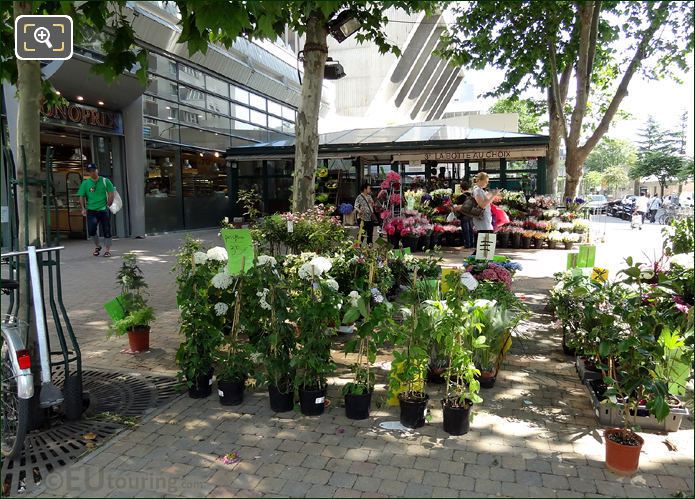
(74, 481)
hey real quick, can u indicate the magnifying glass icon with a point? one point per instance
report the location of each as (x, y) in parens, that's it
(42, 35)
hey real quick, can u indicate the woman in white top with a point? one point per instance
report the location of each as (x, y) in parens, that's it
(484, 200)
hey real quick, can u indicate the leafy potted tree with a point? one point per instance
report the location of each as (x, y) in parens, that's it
(234, 360)
(265, 319)
(412, 357)
(373, 313)
(315, 307)
(136, 314)
(197, 273)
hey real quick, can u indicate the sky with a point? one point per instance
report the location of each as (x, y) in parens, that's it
(665, 100)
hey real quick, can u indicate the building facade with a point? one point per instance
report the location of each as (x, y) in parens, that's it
(162, 144)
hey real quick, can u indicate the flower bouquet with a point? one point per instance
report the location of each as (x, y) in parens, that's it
(515, 237)
(538, 238)
(526, 238)
(569, 239)
(554, 237)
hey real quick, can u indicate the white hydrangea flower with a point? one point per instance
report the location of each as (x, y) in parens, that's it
(304, 271)
(263, 301)
(333, 284)
(683, 259)
(267, 260)
(221, 308)
(222, 280)
(320, 265)
(217, 253)
(354, 296)
(200, 258)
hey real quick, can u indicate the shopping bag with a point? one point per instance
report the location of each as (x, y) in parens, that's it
(501, 218)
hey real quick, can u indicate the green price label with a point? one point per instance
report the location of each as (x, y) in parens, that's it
(239, 247)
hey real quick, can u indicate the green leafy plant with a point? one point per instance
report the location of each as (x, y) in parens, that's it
(199, 323)
(133, 299)
(233, 361)
(411, 340)
(251, 201)
(372, 311)
(679, 237)
(315, 310)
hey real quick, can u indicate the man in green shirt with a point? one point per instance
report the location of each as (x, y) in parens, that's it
(99, 194)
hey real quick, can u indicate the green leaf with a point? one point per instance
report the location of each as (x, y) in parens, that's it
(351, 315)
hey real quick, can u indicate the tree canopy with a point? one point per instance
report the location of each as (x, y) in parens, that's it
(529, 111)
(611, 153)
(547, 45)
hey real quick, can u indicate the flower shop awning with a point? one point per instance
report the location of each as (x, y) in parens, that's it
(417, 142)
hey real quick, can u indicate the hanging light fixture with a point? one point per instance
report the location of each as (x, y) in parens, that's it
(344, 26)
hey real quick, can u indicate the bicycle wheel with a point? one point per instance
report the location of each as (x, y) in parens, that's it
(15, 411)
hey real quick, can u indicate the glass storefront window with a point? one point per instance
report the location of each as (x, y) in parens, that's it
(280, 167)
(216, 85)
(187, 74)
(257, 101)
(162, 188)
(492, 165)
(259, 118)
(191, 96)
(239, 94)
(279, 192)
(205, 188)
(274, 108)
(195, 117)
(218, 105)
(250, 168)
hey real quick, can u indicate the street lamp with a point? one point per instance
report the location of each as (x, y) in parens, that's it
(344, 26)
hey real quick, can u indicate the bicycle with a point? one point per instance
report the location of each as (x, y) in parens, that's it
(17, 381)
(17, 378)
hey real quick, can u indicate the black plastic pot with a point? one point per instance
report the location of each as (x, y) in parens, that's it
(411, 242)
(487, 379)
(201, 387)
(456, 419)
(537, 242)
(503, 239)
(230, 392)
(526, 242)
(565, 348)
(515, 240)
(279, 401)
(312, 402)
(413, 410)
(435, 375)
(357, 406)
(552, 244)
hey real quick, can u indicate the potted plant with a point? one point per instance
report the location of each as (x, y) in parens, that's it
(460, 334)
(233, 360)
(554, 237)
(411, 357)
(315, 309)
(538, 238)
(266, 321)
(373, 313)
(569, 239)
(197, 273)
(137, 315)
(251, 201)
(526, 238)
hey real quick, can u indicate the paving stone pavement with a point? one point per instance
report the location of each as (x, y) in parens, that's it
(533, 436)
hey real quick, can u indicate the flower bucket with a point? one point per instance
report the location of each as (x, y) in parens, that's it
(526, 242)
(503, 239)
(552, 244)
(537, 243)
(139, 339)
(622, 458)
(515, 240)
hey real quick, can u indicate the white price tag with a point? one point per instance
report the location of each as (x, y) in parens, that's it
(290, 226)
(319, 400)
(469, 281)
(220, 393)
(210, 382)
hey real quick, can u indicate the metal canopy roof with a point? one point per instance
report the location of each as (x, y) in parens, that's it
(393, 139)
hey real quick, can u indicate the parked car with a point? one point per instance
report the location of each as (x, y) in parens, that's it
(686, 199)
(597, 203)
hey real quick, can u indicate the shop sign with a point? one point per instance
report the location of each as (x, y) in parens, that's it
(453, 156)
(85, 116)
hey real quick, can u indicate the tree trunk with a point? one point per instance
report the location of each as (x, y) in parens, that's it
(307, 140)
(574, 165)
(555, 138)
(29, 140)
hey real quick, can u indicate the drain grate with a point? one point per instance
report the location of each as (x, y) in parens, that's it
(122, 394)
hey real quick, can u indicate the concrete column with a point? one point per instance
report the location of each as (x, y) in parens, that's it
(135, 160)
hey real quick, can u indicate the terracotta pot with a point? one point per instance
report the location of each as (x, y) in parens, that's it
(139, 339)
(620, 458)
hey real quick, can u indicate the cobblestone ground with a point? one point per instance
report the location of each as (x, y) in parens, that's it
(535, 434)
